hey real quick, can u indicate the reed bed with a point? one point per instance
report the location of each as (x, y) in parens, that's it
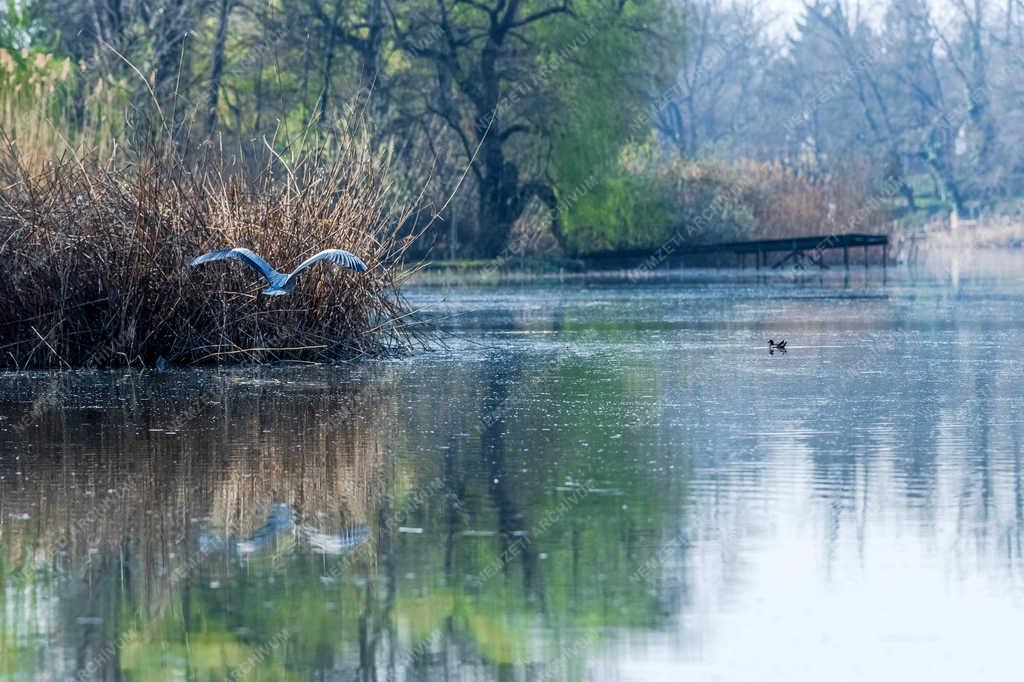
(95, 255)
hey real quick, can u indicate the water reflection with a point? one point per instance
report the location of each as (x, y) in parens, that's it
(598, 482)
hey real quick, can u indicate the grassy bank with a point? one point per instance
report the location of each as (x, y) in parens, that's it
(95, 258)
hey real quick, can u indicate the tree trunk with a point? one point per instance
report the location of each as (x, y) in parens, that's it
(547, 197)
(894, 172)
(325, 76)
(218, 66)
(171, 57)
(258, 91)
(948, 185)
(370, 57)
(499, 200)
(500, 197)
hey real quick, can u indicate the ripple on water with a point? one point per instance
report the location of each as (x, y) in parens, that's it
(600, 458)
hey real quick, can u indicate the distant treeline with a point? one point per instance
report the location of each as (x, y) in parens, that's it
(925, 92)
(601, 123)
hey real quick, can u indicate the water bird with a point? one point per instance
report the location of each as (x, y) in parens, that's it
(773, 346)
(336, 543)
(281, 520)
(281, 283)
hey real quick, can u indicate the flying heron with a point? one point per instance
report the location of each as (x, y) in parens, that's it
(281, 283)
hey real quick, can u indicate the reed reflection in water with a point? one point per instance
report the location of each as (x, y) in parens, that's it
(598, 482)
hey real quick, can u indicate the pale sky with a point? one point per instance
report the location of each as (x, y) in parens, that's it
(789, 10)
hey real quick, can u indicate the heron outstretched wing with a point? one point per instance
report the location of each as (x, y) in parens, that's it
(248, 257)
(336, 256)
(336, 543)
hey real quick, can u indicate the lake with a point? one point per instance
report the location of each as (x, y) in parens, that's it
(591, 480)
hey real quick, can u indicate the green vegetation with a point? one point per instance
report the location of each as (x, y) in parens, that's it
(531, 98)
(602, 124)
(133, 569)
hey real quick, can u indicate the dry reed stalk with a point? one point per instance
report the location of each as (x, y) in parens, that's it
(95, 259)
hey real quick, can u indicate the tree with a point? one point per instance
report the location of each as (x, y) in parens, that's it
(480, 76)
(723, 53)
(218, 65)
(859, 50)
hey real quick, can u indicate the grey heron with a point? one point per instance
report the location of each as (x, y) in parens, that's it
(281, 283)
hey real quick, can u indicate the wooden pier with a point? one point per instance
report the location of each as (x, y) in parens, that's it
(797, 252)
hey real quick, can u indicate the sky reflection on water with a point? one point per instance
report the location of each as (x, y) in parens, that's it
(591, 482)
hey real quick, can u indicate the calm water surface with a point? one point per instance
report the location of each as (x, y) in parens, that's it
(594, 481)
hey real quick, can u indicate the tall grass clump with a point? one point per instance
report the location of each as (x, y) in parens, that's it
(95, 255)
(657, 198)
(33, 88)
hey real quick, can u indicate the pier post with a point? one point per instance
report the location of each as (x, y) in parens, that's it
(846, 257)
